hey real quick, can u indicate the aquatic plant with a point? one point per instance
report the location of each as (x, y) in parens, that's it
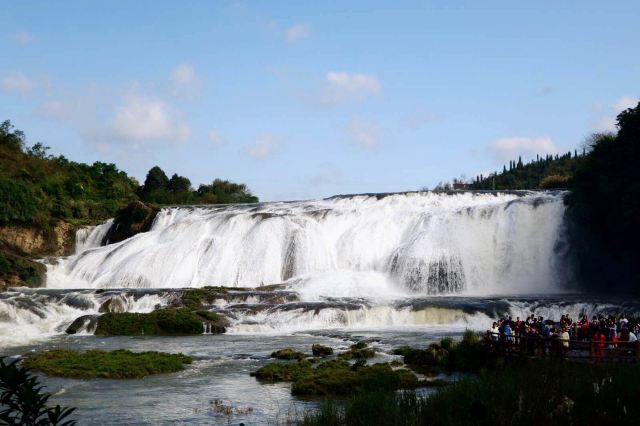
(117, 364)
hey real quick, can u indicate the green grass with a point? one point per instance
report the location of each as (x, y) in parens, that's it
(542, 392)
(160, 322)
(118, 364)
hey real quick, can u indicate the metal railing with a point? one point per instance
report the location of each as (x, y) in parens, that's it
(550, 347)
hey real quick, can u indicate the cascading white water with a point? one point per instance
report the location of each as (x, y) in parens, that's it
(415, 243)
(361, 261)
(28, 316)
(91, 236)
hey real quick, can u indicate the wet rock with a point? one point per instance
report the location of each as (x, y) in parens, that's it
(85, 322)
(114, 304)
(320, 350)
(137, 217)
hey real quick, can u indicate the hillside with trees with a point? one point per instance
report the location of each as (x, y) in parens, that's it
(603, 208)
(44, 198)
(548, 172)
(39, 189)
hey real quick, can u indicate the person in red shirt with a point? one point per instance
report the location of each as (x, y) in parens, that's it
(599, 340)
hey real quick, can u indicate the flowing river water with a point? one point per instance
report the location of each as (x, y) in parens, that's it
(391, 269)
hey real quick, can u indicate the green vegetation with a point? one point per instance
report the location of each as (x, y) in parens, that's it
(158, 188)
(336, 377)
(550, 172)
(358, 351)
(604, 206)
(196, 298)
(468, 355)
(118, 364)
(525, 393)
(18, 270)
(288, 354)
(22, 401)
(39, 189)
(160, 322)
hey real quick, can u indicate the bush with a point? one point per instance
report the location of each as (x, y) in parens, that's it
(554, 182)
(22, 401)
(528, 393)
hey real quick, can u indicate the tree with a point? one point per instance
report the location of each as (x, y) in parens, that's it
(156, 180)
(603, 206)
(13, 139)
(179, 184)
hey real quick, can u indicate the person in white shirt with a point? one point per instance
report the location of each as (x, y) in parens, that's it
(495, 331)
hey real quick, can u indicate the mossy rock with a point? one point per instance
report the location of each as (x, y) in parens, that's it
(320, 350)
(336, 377)
(198, 298)
(287, 354)
(118, 364)
(277, 372)
(160, 322)
(358, 351)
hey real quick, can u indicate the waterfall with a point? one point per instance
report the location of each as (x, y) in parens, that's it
(91, 236)
(472, 243)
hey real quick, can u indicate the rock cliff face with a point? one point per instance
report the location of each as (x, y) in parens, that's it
(19, 244)
(59, 241)
(135, 218)
(17, 270)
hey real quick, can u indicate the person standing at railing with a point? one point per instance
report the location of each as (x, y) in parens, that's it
(495, 332)
(564, 339)
(599, 339)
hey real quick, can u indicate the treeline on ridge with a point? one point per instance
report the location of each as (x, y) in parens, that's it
(38, 189)
(548, 172)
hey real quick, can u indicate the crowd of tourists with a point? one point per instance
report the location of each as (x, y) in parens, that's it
(538, 333)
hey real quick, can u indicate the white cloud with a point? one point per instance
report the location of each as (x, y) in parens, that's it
(143, 119)
(607, 122)
(510, 148)
(216, 138)
(264, 146)
(23, 37)
(626, 102)
(340, 87)
(185, 82)
(363, 133)
(298, 32)
(18, 83)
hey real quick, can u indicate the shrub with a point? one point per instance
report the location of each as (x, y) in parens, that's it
(22, 401)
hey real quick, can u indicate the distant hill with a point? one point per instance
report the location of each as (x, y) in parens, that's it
(39, 190)
(549, 172)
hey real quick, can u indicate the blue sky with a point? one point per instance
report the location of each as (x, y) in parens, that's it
(303, 100)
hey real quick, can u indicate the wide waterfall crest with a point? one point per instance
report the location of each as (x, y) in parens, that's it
(415, 243)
